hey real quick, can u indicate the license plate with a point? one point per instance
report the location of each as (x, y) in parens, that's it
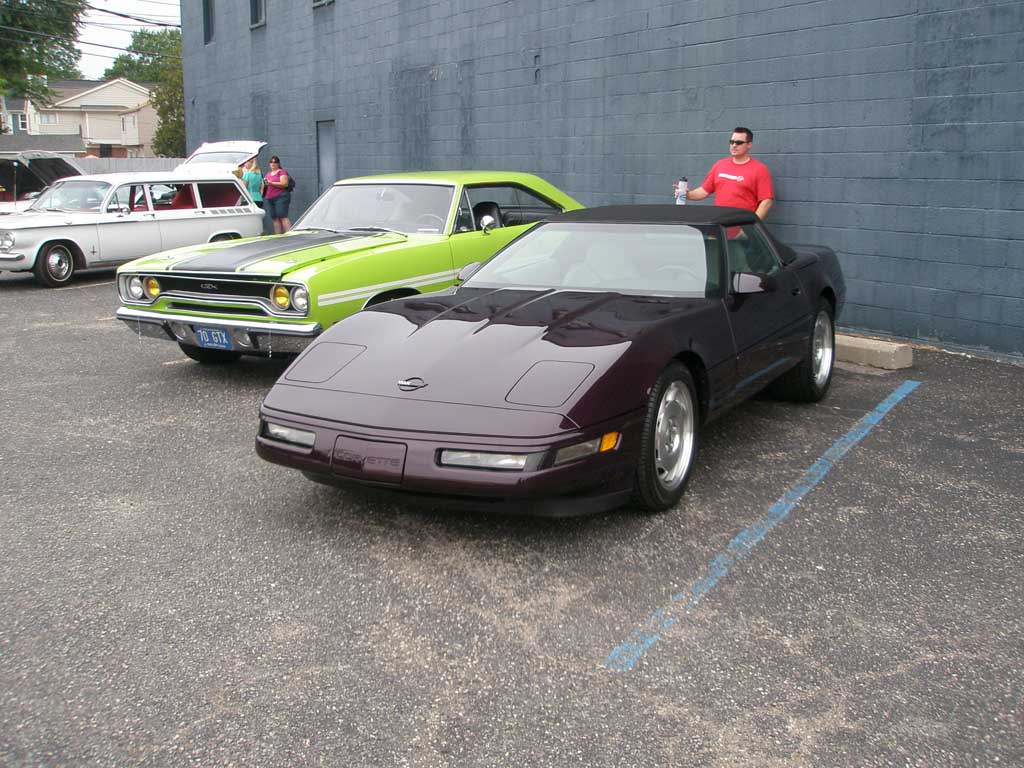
(212, 338)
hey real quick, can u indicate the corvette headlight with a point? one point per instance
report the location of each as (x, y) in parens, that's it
(6, 241)
(607, 442)
(300, 298)
(289, 434)
(514, 462)
(151, 287)
(281, 296)
(134, 287)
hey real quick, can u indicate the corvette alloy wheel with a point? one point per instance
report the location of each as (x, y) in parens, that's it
(669, 441)
(674, 435)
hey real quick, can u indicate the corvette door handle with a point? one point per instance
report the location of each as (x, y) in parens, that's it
(795, 291)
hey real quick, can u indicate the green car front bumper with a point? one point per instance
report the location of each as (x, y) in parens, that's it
(251, 337)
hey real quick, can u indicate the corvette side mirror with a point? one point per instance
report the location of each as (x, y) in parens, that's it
(750, 282)
(467, 271)
(487, 224)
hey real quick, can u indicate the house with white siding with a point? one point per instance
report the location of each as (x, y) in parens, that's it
(100, 112)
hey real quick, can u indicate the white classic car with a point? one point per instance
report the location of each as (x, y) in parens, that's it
(101, 221)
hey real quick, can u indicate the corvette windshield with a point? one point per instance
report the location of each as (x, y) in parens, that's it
(72, 196)
(632, 258)
(406, 208)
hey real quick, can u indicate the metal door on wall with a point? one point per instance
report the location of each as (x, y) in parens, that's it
(326, 154)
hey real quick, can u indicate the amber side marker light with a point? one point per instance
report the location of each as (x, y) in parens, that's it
(607, 442)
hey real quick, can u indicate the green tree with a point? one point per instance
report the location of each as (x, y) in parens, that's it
(169, 102)
(147, 56)
(38, 40)
(155, 57)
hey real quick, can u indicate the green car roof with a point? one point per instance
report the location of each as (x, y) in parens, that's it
(473, 177)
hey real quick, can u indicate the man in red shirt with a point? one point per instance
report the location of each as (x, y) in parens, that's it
(739, 180)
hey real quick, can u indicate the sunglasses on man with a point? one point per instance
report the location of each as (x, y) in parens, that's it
(737, 143)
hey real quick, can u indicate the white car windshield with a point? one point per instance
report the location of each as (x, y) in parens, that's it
(631, 258)
(405, 208)
(72, 195)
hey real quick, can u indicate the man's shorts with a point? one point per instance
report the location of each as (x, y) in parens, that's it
(278, 206)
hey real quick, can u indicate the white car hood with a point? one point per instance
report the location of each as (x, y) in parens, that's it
(19, 205)
(32, 219)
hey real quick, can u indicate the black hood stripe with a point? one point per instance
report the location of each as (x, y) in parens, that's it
(235, 257)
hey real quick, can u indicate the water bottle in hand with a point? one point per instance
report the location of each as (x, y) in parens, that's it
(681, 188)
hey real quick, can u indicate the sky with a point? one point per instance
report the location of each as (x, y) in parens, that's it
(116, 31)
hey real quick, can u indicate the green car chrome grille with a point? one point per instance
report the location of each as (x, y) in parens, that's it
(213, 287)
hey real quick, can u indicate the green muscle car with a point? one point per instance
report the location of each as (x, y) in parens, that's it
(364, 241)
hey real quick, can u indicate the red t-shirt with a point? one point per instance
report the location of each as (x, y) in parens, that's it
(739, 185)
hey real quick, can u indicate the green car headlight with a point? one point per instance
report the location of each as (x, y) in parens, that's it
(134, 287)
(151, 287)
(6, 241)
(281, 297)
(300, 298)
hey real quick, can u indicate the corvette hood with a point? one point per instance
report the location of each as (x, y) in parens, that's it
(273, 255)
(505, 348)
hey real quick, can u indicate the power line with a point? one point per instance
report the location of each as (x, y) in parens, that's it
(97, 55)
(100, 24)
(158, 2)
(100, 45)
(118, 13)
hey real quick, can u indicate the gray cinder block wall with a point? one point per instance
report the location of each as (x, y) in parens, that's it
(893, 128)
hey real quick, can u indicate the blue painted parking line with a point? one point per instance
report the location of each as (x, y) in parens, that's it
(625, 656)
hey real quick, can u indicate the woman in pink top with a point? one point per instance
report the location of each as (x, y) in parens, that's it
(277, 196)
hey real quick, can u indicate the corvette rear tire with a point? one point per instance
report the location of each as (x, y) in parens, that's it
(55, 265)
(810, 380)
(210, 356)
(669, 442)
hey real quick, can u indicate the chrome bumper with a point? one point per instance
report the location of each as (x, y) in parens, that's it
(248, 336)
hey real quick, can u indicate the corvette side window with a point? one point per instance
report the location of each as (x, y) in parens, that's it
(749, 252)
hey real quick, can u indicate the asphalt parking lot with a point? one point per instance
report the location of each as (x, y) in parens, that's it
(170, 599)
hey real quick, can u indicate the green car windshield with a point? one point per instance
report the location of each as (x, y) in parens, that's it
(627, 258)
(406, 208)
(72, 196)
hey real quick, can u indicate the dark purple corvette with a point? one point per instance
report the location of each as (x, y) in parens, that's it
(571, 373)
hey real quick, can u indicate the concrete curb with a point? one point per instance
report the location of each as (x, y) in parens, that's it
(890, 355)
